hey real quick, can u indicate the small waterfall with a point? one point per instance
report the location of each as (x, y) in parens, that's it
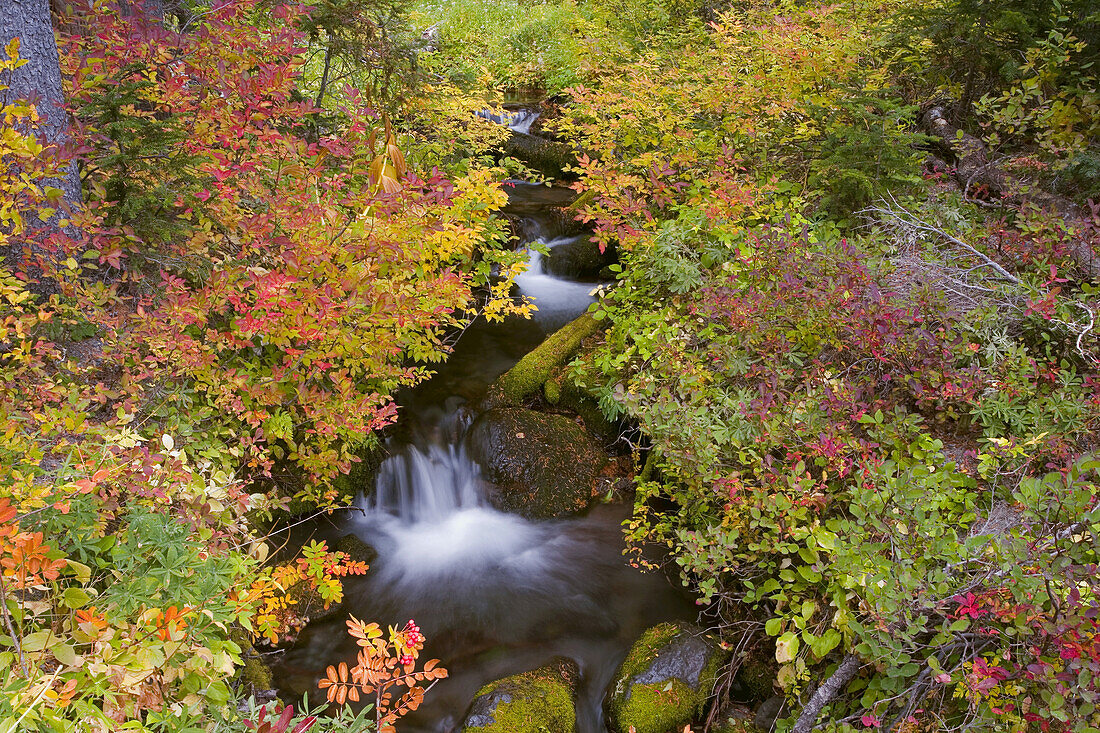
(426, 485)
(518, 121)
(522, 120)
(558, 300)
(496, 593)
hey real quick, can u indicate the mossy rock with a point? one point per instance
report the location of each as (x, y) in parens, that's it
(253, 672)
(363, 472)
(757, 676)
(543, 465)
(735, 718)
(528, 376)
(308, 602)
(356, 549)
(548, 157)
(579, 258)
(665, 681)
(575, 398)
(540, 701)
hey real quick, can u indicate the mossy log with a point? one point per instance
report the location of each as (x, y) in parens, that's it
(527, 377)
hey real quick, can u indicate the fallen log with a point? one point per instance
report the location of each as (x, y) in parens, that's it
(975, 170)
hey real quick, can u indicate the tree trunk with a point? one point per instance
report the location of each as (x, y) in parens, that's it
(324, 76)
(39, 81)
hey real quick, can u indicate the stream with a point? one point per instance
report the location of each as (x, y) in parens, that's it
(495, 594)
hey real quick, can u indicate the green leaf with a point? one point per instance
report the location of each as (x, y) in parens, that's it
(66, 654)
(82, 572)
(75, 598)
(826, 643)
(786, 647)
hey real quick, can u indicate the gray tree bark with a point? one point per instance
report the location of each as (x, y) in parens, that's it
(39, 81)
(829, 689)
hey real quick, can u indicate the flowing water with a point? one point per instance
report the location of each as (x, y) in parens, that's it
(494, 593)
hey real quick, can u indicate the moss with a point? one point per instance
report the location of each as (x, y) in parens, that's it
(758, 677)
(657, 708)
(257, 674)
(253, 671)
(581, 201)
(362, 473)
(576, 399)
(552, 391)
(533, 702)
(646, 648)
(663, 705)
(549, 157)
(532, 371)
(356, 549)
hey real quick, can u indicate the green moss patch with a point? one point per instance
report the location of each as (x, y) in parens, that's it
(664, 682)
(540, 701)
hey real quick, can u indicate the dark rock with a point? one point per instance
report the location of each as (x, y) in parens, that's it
(769, 712)
(734, 718)
(356, 549)
(540, 701)
(579, 258)
(548, 157)
(532, 199)
(543, 465)
(665, 680)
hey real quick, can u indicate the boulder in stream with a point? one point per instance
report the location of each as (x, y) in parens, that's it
(579, 258)
(665, 680)
(543, 465)
(540, 701)
(548, 157)
(356, 549)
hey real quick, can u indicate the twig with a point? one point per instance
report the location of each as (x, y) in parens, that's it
(824, 694)
(11, 628)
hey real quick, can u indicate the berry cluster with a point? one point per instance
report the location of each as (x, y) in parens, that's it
(413, 642)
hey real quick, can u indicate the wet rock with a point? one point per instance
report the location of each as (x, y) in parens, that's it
(540, 701)
(770, 711)
(548, 157)
(665, 680)
(534, 199)
(579, 258)
(543, 465)
(356, 549)
(561, 391)
(756, 677)
(309, 604)
(735, 718)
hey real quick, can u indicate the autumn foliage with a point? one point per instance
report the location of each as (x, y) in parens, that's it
(239, 299)
(384, 662)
